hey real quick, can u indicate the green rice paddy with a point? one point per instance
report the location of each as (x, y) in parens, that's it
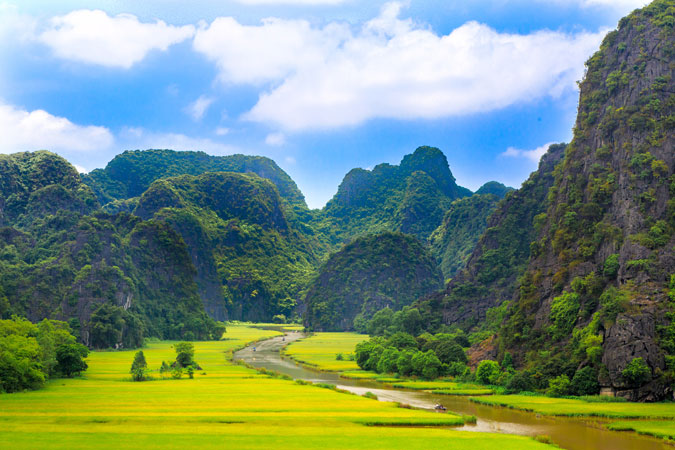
(224, 406)
(321, 349)
(664, 429)
(577, 407)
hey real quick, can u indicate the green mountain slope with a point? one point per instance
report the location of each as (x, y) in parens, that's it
(371, 273)
(251, 264)
(410, 198)
(129, 174)
(499, 257)
(465, 221)
(90, 269)
(596, 292)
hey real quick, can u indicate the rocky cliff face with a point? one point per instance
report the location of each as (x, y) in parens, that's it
(603, 256)
(499, 258)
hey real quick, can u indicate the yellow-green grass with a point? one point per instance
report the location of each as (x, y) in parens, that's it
(576, 407)
(463, 391)
(321, 349)
(360, 375)
(277, 326)
(435, 385)
(664, 429)
(225, 406)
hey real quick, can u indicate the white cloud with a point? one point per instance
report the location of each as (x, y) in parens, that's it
(533, 155)
(222, 131)
(15, 26)
(291, 2)
(289, 160)
(197, 108)
(91, 36)
(80, 169)
(35, 130)
(333, 76)
(275, 139)
(140, 138)
(271, 51)
(627, 5)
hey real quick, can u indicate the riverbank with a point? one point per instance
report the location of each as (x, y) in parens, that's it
(593, 410)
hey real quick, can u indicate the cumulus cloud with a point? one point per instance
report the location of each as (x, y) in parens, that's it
(334, 76)
(270, 51)
(197, 108)
(35, 130)
(532, 155)
(94, 37)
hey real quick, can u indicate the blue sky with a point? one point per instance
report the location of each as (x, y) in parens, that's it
(320, 86)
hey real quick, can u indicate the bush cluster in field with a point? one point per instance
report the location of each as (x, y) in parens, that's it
(30, 354)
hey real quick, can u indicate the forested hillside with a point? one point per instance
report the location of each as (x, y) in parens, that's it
(251, 264)
(411, 198)
(386, 270)
(62, 258)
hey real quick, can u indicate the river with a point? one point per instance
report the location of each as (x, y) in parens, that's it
(568, 433)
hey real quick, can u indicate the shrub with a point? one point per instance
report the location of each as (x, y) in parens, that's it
(564, 311)
(138, 367)
(487, 371)
(185, 352)
(404, 363)
(558, 386)
(585, 382)
(637, 373)
(611, 268)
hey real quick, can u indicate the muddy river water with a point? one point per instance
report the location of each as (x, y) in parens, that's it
(568, 433)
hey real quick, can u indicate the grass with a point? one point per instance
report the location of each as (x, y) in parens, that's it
(658, 428)
(321, 349)
(224, 406)
(577, 407)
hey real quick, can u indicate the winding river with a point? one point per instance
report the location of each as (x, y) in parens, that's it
(568, 433)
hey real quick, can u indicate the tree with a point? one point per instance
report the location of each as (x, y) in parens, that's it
(185, 352)
(507, 361)
(19, 363)
(70, 359)
(404, 363)
(402, 341)
(381, 322)
(558, 386)
(388, 360)
(488, 371)
(585, 382)
(449, 351)
(637, 373)
(432, 365)
(164, 369)
(138, 367)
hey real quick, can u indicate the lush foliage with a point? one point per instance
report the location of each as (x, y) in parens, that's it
(30, 354)
(373, 272)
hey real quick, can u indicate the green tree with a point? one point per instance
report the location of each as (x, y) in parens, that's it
(585, 382)
(381, 322)
(488, 371)
(432, 366)
(558, 386)
(404, 363)
(449, 351)
(388, 361)
(20, 366)
(70, 359)
(138, 367)
(637, 372)
(185, 352)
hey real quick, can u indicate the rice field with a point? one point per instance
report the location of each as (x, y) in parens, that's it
(577, 407)
(321, 349)
(664, 429)
(224, 406)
